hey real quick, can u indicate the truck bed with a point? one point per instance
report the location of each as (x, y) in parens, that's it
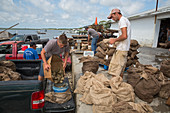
(15, 96)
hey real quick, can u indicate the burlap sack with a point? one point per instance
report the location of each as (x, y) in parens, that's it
(145, 89)
(101, 77)
(110, 52)
(150, 69)
(86, 98)
(102, 61)
(134, 43)
(129, 63)
(8, 64)
(103, 45)
(58, 97)
(101, 95)
(133, 54)
(82, 82)
(134, 47)
(123, 107)
(90, 66)
(7, 74)
(141, 107)
(4, 77)
(165, 67)
(88, 58)
(132, 79)
(95, 92)
(99, 54)
(106, 40)
(56, 72)
(165, 91)
(102, 109)
(99, 49)
(122, 90)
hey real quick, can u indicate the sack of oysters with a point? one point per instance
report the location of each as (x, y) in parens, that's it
(56, 72)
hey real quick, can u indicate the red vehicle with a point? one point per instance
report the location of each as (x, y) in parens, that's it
(10, 49)
(15, 49)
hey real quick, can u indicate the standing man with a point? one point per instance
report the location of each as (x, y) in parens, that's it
(54, 46)
(119, 59)
(95, 37)
(31, 53)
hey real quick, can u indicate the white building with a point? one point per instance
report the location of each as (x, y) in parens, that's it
(144, 28)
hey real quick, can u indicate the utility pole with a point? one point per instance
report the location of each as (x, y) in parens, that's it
(156, 11)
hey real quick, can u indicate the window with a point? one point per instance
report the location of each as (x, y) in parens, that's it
(6, 49)
(17, 38)
(35, 37)
(28, 39)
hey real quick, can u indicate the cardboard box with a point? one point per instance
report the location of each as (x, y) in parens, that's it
(56, 64)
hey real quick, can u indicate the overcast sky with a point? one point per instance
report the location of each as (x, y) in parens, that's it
(67, 13)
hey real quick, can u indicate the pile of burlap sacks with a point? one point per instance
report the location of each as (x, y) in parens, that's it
(105, 52)
(109, 96)
(149, 81)
(7, 71)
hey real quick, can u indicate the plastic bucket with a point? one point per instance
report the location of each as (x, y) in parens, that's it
(60, 89)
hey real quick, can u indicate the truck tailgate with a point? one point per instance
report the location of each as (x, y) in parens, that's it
(15, 96)
(55, 107)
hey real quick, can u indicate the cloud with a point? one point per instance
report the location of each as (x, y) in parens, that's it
(110, 2)
(65, 16)
(164, 2)
(43, 4)
(67, 13)
(94, 1)
(77, 6)
(7, 6)
(130, 9)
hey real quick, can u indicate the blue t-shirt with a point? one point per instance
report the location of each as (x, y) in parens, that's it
(30, 54)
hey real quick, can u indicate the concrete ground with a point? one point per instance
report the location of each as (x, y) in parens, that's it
(147, 56)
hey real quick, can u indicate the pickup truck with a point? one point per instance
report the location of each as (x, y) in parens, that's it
(29, 37)
(27, 95)
(13, 50)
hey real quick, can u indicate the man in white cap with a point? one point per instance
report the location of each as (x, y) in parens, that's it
(119, 59)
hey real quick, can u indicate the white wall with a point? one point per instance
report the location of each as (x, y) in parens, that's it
(143, 30)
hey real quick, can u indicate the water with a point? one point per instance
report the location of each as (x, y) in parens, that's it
(50, 34)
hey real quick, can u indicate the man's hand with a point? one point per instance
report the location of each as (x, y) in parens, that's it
(112, 40)
(88, 42)
(64, 65)
(47, 66)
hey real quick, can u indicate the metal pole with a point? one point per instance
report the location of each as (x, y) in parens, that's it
(156, 11)
(9, 28)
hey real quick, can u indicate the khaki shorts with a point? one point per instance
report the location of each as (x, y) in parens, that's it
(118, 62)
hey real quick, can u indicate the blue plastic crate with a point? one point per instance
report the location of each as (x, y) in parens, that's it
(106, 67)
(126, 69)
